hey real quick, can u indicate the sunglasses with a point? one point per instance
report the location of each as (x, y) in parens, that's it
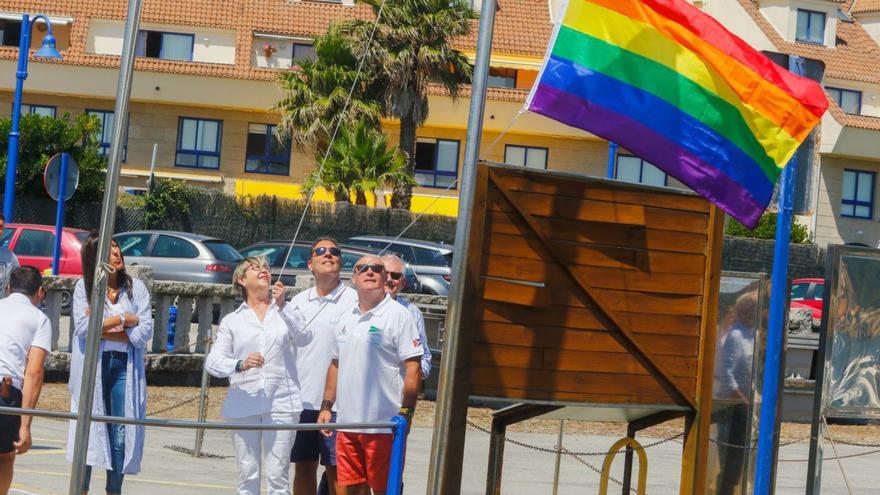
(395, 275)
(377, 268)
(321, 251)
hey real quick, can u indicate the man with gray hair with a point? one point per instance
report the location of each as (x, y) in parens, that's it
(395, 283)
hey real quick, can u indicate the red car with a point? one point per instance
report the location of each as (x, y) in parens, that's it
(808, 293)
(34, 245)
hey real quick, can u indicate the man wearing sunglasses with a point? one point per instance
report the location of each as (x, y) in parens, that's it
(395, 284)
(321, 307)
(375, 374)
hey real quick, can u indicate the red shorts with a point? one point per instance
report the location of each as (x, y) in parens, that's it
(363, 458)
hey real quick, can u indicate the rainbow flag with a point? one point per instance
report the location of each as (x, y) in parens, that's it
(672, 85)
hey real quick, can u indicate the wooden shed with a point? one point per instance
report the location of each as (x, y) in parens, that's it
(592, 292)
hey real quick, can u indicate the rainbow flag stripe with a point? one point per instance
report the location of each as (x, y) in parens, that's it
(671, 84)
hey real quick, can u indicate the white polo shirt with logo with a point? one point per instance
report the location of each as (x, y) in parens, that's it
(371, 348)
(323, 316)
(24, 326)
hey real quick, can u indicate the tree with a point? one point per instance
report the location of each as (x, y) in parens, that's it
(359, 161)
(316, 92)
(766, 229)
(410, 49)
(41, 138)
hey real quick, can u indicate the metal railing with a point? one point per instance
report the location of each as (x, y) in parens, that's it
(397, 425)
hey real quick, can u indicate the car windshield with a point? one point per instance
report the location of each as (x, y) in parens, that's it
(819, 292)
(7, 237)
(799, 291)
(81, 236)
(223, 251)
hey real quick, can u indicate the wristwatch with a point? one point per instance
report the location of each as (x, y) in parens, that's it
(327, 405)
(239, 366)
(407, 411)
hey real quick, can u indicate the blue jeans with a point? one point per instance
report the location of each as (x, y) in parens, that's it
(114, 366)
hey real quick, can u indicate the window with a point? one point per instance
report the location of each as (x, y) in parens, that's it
(436, 162)
(799, 291)
(198, 143)
(810, 27)
(502, 78)
(850, 101)
(44, 110)
(264, 154)
(34, 243)
(430, 257)
(223, 251)
(174, 247)
(634, 169)
(526, 156)
(103, 135)
(858, 194)
(304, 50)
(6, 238)
(10, 33)
(166, 46)
(133, 244)
(275, 254)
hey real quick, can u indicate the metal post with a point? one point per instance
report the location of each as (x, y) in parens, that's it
(612, 158)
(108, 220)
(151, 182)
(776, 322)
(398, 455)
(203, 399)
(558, 457)
(444, 476)
(59, 214)
(12, 151)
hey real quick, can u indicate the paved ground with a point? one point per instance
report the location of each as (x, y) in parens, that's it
(44, 471)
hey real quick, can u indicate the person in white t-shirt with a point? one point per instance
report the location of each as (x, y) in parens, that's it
(393, 286)
(375, 375)
(8, 261)
(27, 338)
(256, 349)
(321, 307)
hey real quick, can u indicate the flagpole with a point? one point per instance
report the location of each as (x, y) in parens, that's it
(776, 322)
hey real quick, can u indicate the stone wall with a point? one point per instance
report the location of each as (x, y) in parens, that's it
(756, 255)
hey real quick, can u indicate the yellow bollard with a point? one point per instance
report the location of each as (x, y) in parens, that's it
(643, 464)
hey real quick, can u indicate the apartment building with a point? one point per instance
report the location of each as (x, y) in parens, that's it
(204, 85)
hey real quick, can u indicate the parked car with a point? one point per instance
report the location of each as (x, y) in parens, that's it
(808, 293)
(180, 256)
(297, 263)
(432, 261)
(35, 244)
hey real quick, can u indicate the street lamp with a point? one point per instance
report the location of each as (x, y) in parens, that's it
(46, 51)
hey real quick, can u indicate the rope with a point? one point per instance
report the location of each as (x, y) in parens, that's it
(516, 117)
(836, 456)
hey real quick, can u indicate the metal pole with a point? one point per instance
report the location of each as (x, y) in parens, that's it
(446, 466)
(398, 455)
(24, 45)
(558, 456)
(612, 158)
(203, 398)
(59, 214)
(108, 220)
(775, 324)
(151, 182)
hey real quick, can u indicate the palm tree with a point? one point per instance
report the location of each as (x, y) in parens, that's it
(359, 161)
(316, 92)
(410, 49)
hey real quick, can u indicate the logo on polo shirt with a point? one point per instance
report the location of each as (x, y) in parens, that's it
(416, 343)
(375, 329)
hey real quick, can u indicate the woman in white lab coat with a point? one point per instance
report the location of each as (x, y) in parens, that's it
(255, 348)
(120, 384)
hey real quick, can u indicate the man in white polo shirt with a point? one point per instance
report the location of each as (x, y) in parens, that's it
(394, 285)
(26, 337)
(320, 307)
(375, 375)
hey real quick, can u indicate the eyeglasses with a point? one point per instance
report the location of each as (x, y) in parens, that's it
(395, 275)
(377, 268)
(321, 251)
(257, 268)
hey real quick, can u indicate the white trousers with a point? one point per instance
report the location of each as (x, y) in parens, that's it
(267, 449)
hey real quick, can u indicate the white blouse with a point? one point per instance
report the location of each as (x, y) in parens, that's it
(275, 386)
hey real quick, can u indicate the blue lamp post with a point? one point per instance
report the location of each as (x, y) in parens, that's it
(46, 51)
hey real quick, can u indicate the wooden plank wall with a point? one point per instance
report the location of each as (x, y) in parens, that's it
(590, 291)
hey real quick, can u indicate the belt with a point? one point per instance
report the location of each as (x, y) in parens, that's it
(117, 354)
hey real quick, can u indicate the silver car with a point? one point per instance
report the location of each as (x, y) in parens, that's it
(180, 256)
(432, 261)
